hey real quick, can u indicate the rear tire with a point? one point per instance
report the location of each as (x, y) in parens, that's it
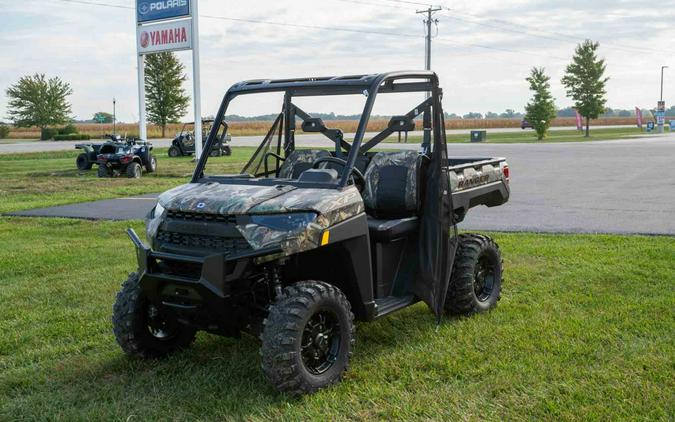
(82, 162)
(173, 152)
(476, 281)
(139, 328)
(134, 170)
(227, 150)
(307, 338)
(151, 166)
(104, 171)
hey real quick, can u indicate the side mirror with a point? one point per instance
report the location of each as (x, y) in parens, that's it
(313, 124)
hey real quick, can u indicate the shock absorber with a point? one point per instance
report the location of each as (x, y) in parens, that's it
(275, 281)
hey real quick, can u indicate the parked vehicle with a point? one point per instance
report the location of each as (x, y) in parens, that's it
(184, 142)
(524, 124)
(88, 158)
(302, 242)
(118, 156)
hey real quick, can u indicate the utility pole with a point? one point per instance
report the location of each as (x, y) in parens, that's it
(428, 20)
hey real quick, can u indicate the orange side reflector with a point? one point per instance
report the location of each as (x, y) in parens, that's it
(325, 237)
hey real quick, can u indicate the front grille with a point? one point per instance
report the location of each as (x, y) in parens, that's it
(230, 245)
(195, 216)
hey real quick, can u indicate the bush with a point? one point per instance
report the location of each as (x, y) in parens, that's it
(68, 130)
(48, 133)
(72, 137)
(4, 131)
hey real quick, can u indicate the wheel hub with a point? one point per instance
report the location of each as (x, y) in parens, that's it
(320, 342)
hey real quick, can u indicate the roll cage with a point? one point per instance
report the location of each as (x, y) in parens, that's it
(285, 123)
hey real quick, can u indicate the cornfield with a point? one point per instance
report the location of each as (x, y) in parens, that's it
(347, 126)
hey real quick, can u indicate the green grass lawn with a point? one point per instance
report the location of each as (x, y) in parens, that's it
(33, 180)
(584, 331)
(529, 136)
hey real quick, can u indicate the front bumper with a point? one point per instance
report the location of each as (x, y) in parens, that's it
(201, 297)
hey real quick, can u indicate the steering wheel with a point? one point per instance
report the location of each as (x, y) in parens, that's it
(356, 175)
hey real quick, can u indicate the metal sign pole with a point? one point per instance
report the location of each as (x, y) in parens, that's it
(195, 79)
(142, 129)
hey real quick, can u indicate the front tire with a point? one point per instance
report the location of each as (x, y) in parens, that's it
(307, 338)
(173, 152)
(476, 281)
(151, 166)
(134, 170)
(227, 150)
(82, 162)
(139, 328)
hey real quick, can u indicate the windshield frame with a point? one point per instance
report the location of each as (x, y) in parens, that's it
(368, 85)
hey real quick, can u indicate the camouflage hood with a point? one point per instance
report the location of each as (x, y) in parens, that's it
(332, 206)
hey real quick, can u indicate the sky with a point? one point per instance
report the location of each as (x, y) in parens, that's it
(482, 49)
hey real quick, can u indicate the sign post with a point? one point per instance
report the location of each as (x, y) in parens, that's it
(168, 25)
(196, 91)
(660, 115)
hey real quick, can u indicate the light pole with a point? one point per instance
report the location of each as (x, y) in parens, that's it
(114, 117)
(661, 107)
(662, 67)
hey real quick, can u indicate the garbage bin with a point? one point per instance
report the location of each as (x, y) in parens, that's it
(478, 135)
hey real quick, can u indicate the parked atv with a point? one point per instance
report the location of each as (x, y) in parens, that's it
(88, 158)
(184, 142)
(130, 157)
(302, 242)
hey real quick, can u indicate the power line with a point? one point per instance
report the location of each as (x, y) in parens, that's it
(265, 22)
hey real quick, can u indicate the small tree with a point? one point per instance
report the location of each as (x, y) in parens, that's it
(585, 82)
(541, 110)
(37, 101)
(102, 117)
(165, 95)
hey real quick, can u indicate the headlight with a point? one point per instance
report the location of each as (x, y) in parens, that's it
(284, 222)
(159, 210)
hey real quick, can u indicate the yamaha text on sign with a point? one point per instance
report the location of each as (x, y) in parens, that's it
(165, 36)
(152, 10)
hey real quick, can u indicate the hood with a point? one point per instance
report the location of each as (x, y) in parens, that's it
(233, 199)
(331, 205)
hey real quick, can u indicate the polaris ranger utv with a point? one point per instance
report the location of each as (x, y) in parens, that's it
(184, 142)
(304, 241)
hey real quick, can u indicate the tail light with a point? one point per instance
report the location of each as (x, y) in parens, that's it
(506, 172)
(100, 157)
(126, 159)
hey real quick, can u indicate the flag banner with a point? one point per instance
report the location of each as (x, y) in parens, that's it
(638, 115)
(578, 116)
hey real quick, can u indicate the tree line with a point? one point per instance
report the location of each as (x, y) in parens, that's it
(38, 101)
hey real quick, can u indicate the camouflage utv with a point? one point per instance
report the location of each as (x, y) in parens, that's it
(302, 242)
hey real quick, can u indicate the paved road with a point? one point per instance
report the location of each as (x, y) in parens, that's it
(252, 141)
(623, 186)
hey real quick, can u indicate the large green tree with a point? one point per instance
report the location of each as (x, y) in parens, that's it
(166, 100)
(585, 81)
(540, 111)
(38, 101)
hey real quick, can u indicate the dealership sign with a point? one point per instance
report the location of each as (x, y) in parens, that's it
(165, 36)
(152, 10)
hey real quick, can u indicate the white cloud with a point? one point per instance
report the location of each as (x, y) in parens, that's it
(93, 48)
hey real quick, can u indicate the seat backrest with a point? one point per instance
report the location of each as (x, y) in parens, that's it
(393, 184)
(300, 160)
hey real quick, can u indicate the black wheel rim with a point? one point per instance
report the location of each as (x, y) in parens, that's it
(320, 342)
(157, 326)
(484, 278)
